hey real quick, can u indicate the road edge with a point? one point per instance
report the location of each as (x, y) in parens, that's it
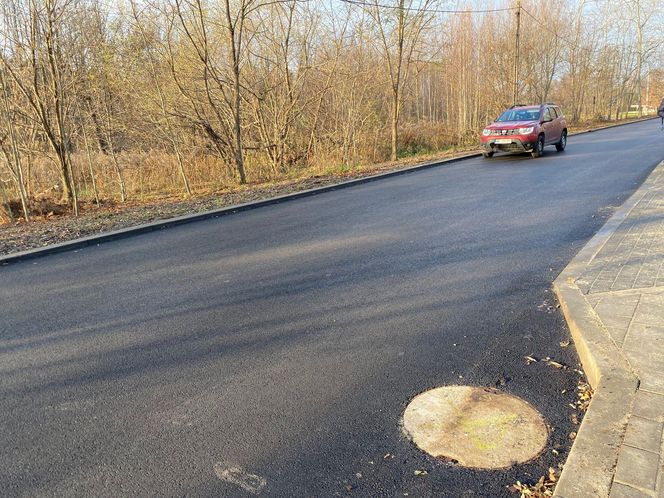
(614, 125)
(590, 466)
(215, 213)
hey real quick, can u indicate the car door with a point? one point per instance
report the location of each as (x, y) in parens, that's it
(549, 126)
(561, 119)
(558, 120)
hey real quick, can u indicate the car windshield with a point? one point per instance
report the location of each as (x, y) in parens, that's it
(520, 115)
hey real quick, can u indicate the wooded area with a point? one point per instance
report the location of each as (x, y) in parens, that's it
(130, 99)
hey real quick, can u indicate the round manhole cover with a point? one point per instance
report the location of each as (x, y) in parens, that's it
(477, 427)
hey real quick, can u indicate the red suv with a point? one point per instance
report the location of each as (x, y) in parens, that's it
(526, 128)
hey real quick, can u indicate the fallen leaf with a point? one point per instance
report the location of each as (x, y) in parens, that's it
(585, 394)
(543, 488)
(530, 359)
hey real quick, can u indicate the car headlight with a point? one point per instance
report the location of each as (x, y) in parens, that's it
(486, 132)
(526, 131)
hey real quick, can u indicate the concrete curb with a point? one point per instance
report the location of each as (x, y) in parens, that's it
(189, 218)
(590, 466)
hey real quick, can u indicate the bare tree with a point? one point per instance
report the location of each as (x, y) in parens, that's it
(163, 106)
(10, 151)
(170, 96)
(40, 79)
(222, 98)
(400, 29)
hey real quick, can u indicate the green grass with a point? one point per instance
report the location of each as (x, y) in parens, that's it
(413, 151)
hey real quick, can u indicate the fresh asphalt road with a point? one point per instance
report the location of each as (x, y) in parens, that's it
(285, 342)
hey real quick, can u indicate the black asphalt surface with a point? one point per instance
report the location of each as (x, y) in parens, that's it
(285, 342)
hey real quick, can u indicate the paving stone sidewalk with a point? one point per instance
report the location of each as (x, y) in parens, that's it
(624, 283)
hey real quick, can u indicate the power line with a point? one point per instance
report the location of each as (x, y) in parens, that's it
(546, 28)
(420, 9)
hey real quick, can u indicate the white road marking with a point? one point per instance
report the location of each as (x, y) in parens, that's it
(252, 483)
(69, 406)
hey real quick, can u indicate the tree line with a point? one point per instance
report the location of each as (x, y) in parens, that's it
(129, 99)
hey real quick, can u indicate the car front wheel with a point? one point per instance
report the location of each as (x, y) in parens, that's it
(560, 146)
(487, 155)
(538, 150)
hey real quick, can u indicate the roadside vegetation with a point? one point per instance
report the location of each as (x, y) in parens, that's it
(106, 106)
(52, 220)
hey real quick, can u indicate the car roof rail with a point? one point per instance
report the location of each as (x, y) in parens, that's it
(518, 105)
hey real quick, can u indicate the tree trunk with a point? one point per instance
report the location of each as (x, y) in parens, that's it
(15, 155)
(89, 158)
(396, 81)
(235, 40)
(395, 126)
(639, 56)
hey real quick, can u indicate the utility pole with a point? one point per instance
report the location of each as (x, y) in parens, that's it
(516, 51)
